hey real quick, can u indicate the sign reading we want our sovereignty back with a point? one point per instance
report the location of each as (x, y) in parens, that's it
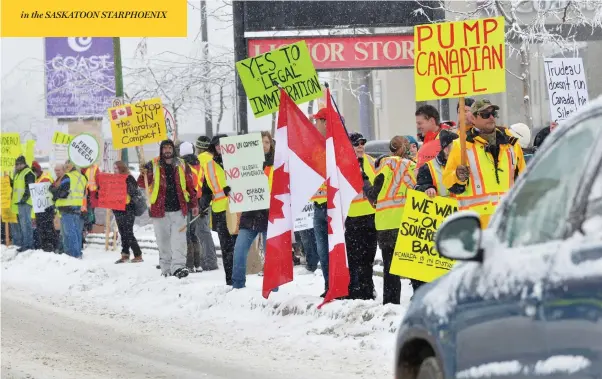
(457, 59)
(137, 124)
(415, 256)
(290, 66)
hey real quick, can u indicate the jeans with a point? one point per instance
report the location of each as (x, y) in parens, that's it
(241, 250)
(321, 233)
(308, 241)
(15, 234)
(72, 234)
(25, 226)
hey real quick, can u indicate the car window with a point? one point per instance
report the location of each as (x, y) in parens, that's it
(594, 199)
(538, 211)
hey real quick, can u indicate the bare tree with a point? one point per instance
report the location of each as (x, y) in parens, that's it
(554, 23)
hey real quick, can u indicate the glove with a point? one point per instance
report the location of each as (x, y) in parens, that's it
(227, 190)
(462, 172)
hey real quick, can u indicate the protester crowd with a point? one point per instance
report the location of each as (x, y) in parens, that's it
(188, 197)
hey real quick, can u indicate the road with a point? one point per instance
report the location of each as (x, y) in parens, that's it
(40, 341)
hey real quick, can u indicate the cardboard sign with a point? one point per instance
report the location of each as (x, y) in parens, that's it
(567, 87)
(306, 219)
(10, 150)
(415, 256)
(5, 192)
(243, 163)
(83, 150)
(41, 198)
(138, 124)
(456, 59)
(112, 191)
(59, 155)
(290, 66)
(9, 216)
(61, 138)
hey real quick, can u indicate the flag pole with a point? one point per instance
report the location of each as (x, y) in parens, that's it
(336, 107)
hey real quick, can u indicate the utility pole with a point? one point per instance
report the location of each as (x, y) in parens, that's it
(119, 83)
(240, 53)
(206, 72)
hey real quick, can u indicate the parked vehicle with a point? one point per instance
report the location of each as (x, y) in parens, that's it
(525, 298)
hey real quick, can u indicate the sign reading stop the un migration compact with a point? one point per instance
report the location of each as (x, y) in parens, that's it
(138, 124)
(290, 67)
(458, 59)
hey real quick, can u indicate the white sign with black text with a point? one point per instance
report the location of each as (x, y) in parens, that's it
(41, 198)
(567, 87)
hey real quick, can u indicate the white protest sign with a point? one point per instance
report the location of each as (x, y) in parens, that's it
(170, 124)
(83, 150)
(59, 155)
(243, 163)
(109, 156)
(567, 88)
(41, 198)
(306, 219)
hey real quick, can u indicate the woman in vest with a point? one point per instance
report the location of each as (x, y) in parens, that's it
(253, 223)
(125, 219)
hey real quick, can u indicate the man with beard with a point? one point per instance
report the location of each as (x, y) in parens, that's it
(172, 195)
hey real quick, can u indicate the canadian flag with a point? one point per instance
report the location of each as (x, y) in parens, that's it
(343, 183)
(299, 171)
(121, 112)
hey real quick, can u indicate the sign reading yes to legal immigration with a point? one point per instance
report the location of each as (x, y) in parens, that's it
(456, 59)
(83, 150)
(10, 150)
(41, 198)
(243, 163)
(566, 84)
(415, 256)
(291, 66)
(137, 124)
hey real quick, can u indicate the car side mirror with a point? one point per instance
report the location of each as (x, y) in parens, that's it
(459, 237)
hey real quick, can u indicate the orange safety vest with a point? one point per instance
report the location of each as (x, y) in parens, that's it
(320, 195)
(90, 174)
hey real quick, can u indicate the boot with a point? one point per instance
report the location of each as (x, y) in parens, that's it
(181, 273)
(124, 259)
(137, 259)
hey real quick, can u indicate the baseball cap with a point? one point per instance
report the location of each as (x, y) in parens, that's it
(321, 115)
(481, 105)
(356, 138)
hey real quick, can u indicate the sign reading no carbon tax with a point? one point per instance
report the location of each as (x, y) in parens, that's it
(290, 66)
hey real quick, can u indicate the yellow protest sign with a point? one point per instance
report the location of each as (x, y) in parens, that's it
(290, 66)
(11, 149)
(415, 256)
(458, 59)
(60, 138)
(27, 150)
(9, 216)
(138, 124)
(5, 192)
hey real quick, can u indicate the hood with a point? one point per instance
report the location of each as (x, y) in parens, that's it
(191, 159)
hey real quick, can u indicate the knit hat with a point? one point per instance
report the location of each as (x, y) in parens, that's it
(203, 142)
(186, 148)
(20, 160)
(412, 140)
(446, 138)
(35, 166)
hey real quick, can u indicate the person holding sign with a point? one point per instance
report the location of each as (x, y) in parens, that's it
(45, 219)
(21, 204)
(430, 175)
(172, 194)
(494, 160)
(394, 177)
(125, 218)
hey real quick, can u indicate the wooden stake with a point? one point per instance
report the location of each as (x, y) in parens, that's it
(107, 228)
(142, 161)
(462, 115)
(6, 224)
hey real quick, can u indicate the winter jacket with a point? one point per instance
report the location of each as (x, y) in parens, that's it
(157, 210)
(207, 193)
(30, 178)
(60, 190)
(132, 191)
(541, 136)
(424, 180)
(257, 220)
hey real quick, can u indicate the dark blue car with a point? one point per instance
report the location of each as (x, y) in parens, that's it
(525, 298)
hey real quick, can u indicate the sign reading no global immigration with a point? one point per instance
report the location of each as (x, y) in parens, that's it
(137, 124)
(415, 256)
(457, 59)
(290, 66)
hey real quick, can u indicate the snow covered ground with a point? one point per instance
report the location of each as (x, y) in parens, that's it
(357, 336)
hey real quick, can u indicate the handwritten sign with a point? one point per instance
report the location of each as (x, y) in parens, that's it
(455, 59)
(290, 66)
(112, 191)
(243, 163)
(5, 192)
(138, 124)
(10, 150)
(28, 151)
(61, 138)
(306, 219)
(9, 216)
(59, 154)
(567, 88)
(109, 156)
(41, 198)
(415, 256)
(83, 150)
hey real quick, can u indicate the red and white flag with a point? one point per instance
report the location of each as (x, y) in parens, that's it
(121, 112)
(299, 171)
(343, 183)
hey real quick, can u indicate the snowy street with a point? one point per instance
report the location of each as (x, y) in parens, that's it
(93, 317)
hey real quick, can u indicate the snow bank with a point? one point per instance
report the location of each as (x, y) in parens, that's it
(559, 364)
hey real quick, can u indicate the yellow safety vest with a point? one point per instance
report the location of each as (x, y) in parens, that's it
(77, 190)
(19, 189)
(320, 196)
(216, 180)
(204, 158)
(269, 172)
(399, 176)
(180, 164)
(90, 173)
(360, 206)
(437, 174)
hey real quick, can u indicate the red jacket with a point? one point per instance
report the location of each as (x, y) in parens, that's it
(157, 210)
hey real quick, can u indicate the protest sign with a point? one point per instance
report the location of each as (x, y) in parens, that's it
(112, 191)
(567, 87)
(243, 163)
(83, 150)
(9, 216)
(59, 155)
(28, 151)
(415, 256)
(305, 220)
(5, 192)
(11, 149)
(109, 156)
(61, 138)
(290, 66)
(458, 59)
(41, 198)
(138, 124)
(170, 124)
